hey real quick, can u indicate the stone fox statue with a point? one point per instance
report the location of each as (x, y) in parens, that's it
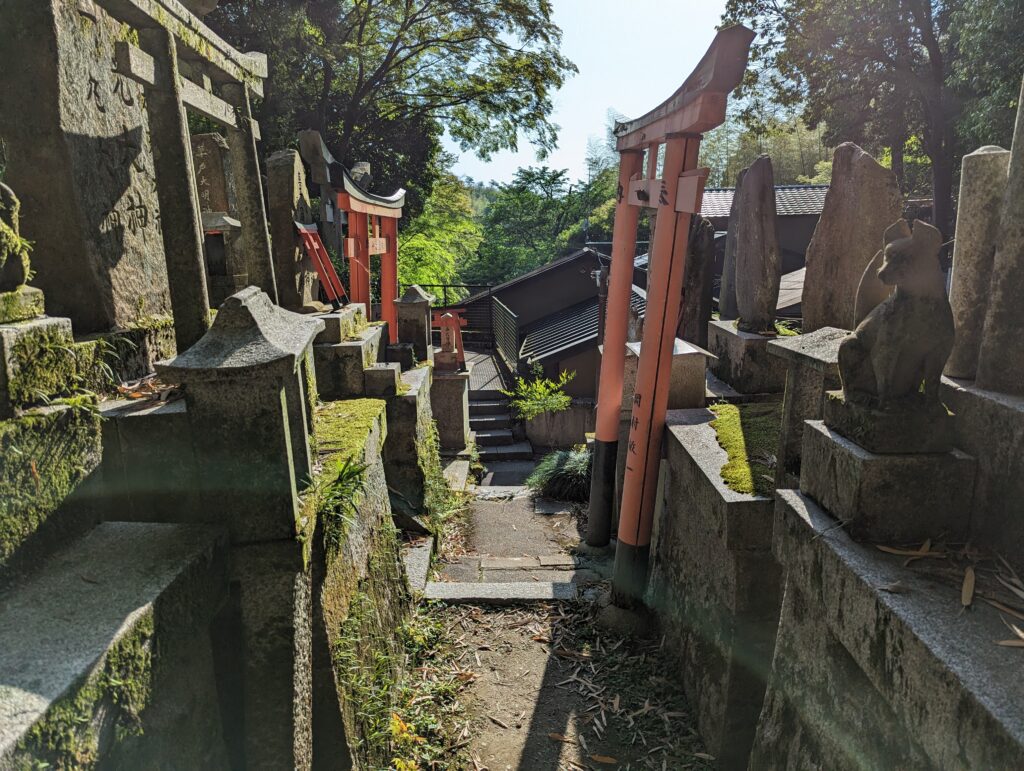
(906, 339)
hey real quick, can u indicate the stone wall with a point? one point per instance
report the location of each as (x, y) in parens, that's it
(562, 429)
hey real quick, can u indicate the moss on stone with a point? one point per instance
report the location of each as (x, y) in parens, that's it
(21, 304)
(749, 433)
(116, 692)
(44, 454)
(342, 427)
(43, 364)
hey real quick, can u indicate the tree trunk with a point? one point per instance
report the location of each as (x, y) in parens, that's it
(898, 167)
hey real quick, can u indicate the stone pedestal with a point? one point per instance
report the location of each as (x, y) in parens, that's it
(715, 586)
(449, 402)
(742, 359)
(812, 369)
(891, 499)
(920, 429)
(409, 422)
(877, 665)
(414, 322)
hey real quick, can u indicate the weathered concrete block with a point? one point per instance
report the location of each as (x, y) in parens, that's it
(449, 403)
(742, 359)
(21, 304)
(339, 366)
(865, 676)
(888, 498)
(78, 143)
(36, 362)
(715, 586)
(382, 380)
(812, 369)
(990, 427)
(414, 322)
(687, 381)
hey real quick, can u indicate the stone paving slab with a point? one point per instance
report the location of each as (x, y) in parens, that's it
(551, 506)
(456, 473)
(510, 593)
(416, 558)
(509, 563)
(557, 561)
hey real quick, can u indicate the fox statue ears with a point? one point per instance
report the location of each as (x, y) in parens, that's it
(924, 236)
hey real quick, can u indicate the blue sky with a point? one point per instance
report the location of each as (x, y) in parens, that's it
(666, 41)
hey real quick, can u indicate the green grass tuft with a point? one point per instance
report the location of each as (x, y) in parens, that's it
(563, 475)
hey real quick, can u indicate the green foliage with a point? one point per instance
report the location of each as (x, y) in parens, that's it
(563, 475)
(441, 502)
(339, 500)
(384, 80)
(531, 397)
(749, 433)
(443, 237)
(786, 328)
(822, 174)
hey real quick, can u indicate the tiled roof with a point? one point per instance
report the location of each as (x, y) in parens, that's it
(790, 200)
(568, 328)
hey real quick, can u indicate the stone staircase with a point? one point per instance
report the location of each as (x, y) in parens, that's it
(490, 418)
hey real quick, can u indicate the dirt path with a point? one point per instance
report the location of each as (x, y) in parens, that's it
(552, 691)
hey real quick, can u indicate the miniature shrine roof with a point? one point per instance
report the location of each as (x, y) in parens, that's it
(790, 200)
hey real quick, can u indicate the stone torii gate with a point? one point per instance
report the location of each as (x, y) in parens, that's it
(183, 64)
(372, 227)
(677, 125)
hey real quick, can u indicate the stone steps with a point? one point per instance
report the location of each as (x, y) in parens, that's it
(516, 451)
(416, 558)
(478, 407)
(495, 437)
(506, 593)
(120, 587)
(490, 422)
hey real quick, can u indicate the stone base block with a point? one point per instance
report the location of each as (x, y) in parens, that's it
(990, 427)
(449, 402)
(222, 287)
(340, 325)
(888, 498)
(409, 425)
(403, 354)
(743, 360)
(715, 586)
(36, 362)
(25, 302)
(899, 431)
(382, 380)
(339, 366)
(868, 676)
(812, 369)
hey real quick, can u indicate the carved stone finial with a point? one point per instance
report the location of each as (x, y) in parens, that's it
(14, 261)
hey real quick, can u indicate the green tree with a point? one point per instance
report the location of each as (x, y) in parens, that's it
(383, 79)
(878, 71)
(443, 237)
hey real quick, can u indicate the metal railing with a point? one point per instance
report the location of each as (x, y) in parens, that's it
(505, 324)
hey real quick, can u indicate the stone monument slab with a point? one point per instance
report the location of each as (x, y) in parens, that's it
(758, 258)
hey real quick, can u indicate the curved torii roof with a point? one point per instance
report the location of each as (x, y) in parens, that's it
(326, 170)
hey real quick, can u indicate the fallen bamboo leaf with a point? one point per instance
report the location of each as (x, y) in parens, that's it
(1004, 607)
(1010, 586)
(560, 738)
(967, 589)
(703, 756)
(1011, 643)
(497, 722)
(605, 760)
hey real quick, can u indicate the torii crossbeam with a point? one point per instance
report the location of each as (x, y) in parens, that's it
(678, 124)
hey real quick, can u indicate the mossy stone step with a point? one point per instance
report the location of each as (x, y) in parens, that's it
(77, 636)
(339, 366)
(21, 304)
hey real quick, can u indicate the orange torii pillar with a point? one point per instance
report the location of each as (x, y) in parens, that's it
(389, 276)
(697, 106)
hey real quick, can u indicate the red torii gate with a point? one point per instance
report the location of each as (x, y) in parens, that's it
(372, 227)
(677, 124)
